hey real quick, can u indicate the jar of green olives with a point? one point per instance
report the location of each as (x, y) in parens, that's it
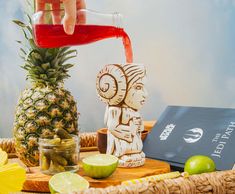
(60, 153)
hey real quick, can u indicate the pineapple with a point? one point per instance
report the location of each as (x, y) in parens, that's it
(46, 105)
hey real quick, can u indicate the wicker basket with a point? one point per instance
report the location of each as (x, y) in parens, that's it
(217, 183)
(209, 183)
(88, 141)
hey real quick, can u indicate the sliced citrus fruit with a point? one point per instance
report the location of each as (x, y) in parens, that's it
(67, 182)
(100, 165)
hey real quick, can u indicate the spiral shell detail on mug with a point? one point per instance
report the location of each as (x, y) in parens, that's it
(111, 84)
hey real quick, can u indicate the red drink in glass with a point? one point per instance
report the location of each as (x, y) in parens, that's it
(53, 36)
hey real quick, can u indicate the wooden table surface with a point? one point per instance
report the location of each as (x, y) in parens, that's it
(82, 155)
(148, 126)
(150, 168)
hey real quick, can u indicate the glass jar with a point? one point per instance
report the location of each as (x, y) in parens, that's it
(59, 155)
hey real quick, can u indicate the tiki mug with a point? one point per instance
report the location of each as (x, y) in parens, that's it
(122, 88)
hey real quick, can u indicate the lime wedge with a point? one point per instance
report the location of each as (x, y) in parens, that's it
(100, 165)
(67, 182)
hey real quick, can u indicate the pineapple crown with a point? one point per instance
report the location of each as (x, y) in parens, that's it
(44, 66)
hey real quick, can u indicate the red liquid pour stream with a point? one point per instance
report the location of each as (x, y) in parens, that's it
(53, 36)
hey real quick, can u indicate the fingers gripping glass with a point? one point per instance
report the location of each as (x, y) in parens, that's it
(57, 16)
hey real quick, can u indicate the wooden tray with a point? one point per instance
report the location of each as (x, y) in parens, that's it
(38, 182)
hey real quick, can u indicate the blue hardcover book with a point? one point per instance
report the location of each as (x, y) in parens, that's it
(182, 132)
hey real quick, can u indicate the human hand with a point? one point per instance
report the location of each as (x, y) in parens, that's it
(70, 7)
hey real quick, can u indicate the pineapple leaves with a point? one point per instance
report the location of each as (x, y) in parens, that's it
(23, 51)
(68, 66)
(34, 58)
(53, 80)
(25, 67)
(35, 55)
(44, 66)
(67, 58)
(32, 44)
(50, 54)
(25, 35)
(23, 25)
(43, 76)
(29, 18)
(69, 52)
(62, 50)
(19, 23)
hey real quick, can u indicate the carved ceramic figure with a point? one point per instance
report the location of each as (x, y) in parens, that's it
(123, 89)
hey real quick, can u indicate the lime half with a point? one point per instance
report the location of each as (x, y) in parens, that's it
(100, 165)
(67, 182)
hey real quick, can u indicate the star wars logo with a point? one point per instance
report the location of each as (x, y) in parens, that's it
(166, 132)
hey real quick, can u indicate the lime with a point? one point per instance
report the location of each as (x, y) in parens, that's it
(199, 164)
(67, 182)
(100, 165)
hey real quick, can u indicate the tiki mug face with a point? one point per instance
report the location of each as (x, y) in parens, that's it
(122, 85)
(137, 94)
